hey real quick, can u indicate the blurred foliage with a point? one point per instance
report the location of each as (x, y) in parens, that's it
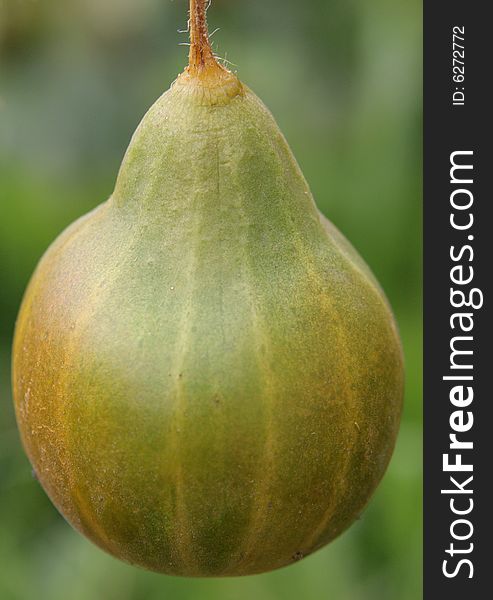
(343, 78)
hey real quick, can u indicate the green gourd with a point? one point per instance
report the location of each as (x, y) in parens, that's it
(207, 377)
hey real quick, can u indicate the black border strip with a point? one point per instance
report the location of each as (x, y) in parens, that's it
(450, 128)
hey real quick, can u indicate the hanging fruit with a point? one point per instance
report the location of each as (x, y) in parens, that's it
(207, 377)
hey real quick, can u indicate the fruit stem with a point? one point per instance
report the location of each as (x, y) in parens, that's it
(201, 57)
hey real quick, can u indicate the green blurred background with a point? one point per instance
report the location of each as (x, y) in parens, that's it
(343, 78)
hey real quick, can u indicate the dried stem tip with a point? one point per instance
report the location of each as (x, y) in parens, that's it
(201, 56)
(205, 78)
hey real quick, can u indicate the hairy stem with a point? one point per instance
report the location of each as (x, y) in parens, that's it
(201, 56)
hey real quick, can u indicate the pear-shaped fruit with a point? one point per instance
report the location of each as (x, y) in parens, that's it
(207, 377)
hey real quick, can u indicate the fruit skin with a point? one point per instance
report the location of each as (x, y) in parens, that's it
(208, 379)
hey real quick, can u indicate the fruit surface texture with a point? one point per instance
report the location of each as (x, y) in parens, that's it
(207, 377)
